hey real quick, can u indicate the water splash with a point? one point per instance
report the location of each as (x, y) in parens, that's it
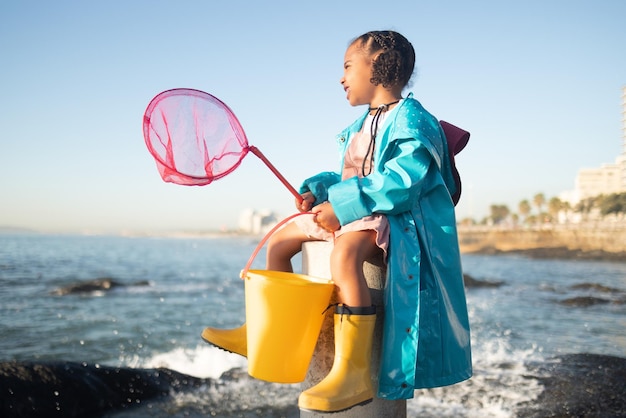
(500, 384)
(202, 361)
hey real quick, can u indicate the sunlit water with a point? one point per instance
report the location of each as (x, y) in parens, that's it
(193, 283)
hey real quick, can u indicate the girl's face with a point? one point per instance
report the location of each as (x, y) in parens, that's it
(357, 72)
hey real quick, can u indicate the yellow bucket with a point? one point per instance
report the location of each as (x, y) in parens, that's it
(284, 314)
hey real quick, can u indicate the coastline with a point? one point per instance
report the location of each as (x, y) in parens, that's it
(588, 242)
(601, 242)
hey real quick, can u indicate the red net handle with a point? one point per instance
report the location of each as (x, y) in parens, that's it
(267, 236)
(259, 154)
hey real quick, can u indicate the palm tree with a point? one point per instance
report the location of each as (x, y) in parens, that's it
(524, 208)
(539, 200)
(554, 207)
(499, 213)
(585, 206)
(613, 204)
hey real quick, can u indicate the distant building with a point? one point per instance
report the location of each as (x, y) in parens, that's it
(606, 179)
(253, 221)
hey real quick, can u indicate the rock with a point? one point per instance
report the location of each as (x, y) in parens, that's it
(584, 301)
(67, 389)
(566, 253)
(580, 385)
(472, 282)
(596, 287)
(102, 284)
(606, 295)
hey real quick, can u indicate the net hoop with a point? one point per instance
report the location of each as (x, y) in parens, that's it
(193, 114)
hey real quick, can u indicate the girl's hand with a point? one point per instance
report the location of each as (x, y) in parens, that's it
(325, 217)
(307, 202)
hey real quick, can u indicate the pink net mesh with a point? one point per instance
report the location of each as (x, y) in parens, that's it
(194, 137)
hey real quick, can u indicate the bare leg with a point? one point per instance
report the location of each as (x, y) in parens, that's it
(283, 245)
(346, 265)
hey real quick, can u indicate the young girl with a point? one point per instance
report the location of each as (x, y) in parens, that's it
(391, 196)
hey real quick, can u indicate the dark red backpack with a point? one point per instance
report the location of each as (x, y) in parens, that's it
(457, 139)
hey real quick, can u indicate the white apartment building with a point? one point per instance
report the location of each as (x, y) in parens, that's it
(606, 179)
(253, 221)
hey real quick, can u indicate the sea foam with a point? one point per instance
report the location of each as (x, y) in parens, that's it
(203, 361)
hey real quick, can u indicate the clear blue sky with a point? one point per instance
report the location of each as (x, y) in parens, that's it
(537, 83)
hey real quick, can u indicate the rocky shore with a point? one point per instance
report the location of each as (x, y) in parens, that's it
(575, 385)
(563, 253)
(583, 243)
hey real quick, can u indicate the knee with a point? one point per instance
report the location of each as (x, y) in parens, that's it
(341, 254)
(352, 253)
(274, 245)
(278, 246)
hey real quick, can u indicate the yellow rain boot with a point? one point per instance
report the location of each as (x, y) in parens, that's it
(233, 340)
(349, 382)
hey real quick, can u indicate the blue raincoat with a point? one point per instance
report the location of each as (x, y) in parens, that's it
(426, 338)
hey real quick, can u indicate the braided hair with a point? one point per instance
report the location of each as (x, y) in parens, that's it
(395, 64)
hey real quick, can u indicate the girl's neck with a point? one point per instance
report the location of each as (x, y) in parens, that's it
(384, 105)
(386, 98)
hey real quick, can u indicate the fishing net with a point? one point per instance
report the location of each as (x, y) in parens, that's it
(195, 138)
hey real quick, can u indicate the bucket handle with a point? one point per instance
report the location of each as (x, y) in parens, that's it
(244, 272)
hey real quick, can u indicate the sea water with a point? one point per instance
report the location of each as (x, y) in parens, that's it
(171, 288)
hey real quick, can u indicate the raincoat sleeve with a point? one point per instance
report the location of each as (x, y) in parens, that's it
(319, 184)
